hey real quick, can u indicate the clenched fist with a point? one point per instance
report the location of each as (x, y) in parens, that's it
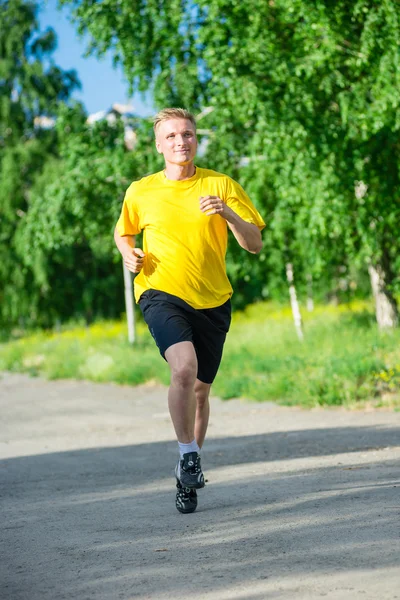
(213, 205)
(134, 259)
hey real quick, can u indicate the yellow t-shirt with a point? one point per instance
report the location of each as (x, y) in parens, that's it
(185, 249)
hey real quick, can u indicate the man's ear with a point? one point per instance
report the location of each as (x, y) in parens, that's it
(158, 147)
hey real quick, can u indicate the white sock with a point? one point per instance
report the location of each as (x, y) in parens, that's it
(185, 448)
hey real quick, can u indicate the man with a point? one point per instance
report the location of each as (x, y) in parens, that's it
(182, 287)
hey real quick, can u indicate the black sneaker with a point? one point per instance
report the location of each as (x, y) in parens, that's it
(191, 475)
(186, 499)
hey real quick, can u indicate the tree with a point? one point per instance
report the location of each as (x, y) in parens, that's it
(32, 88)
(310, 87)
(67, 235)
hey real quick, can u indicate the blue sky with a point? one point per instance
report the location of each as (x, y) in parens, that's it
(102, 85)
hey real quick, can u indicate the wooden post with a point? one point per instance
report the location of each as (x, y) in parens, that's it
(294, 302)
(129, 305)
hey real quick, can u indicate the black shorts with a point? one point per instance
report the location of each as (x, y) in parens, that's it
(171, 320)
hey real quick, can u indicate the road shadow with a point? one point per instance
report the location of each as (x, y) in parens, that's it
(101, 523)
(144, 463)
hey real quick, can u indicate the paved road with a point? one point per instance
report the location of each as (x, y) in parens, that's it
(299, 505)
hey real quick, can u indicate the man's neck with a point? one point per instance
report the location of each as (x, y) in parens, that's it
(179, 172)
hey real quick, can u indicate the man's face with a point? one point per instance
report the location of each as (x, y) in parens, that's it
(176, 140)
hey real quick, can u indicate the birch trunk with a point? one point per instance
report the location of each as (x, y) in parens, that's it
(385, 304)
(129, 305)
(294, 302)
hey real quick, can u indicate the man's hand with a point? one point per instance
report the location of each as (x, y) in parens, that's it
(247, 234)
(134, 259)
(213, 205)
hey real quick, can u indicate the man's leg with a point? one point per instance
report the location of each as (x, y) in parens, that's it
(202, 392)
(186, 499)
(182, 360)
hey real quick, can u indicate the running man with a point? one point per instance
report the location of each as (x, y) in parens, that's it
(182, 288)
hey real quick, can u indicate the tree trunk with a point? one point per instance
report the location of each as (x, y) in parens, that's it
(129, 306)
(385, 305)
(294, 302)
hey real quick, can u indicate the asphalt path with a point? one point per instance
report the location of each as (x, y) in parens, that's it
(298, 504)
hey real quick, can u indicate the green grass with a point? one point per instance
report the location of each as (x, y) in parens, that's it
(344, 360)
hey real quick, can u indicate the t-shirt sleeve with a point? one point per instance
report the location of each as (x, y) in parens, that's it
(240, 203)
(128, 222)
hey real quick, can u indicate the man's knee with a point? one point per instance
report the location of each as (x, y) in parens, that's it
(182, 361)
(184, 375)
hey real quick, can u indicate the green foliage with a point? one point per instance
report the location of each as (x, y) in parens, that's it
(62, 184)
(338, 364)
(66, 238)
(305, 114)
(99, 353)
(67, 235)
(343, 361)
(31, 84)
(306, 92)
(32, 87)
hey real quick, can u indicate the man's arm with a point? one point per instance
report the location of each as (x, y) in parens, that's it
(132, 257)
(247, 234)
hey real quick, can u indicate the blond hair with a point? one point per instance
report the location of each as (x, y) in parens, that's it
(173, 113)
